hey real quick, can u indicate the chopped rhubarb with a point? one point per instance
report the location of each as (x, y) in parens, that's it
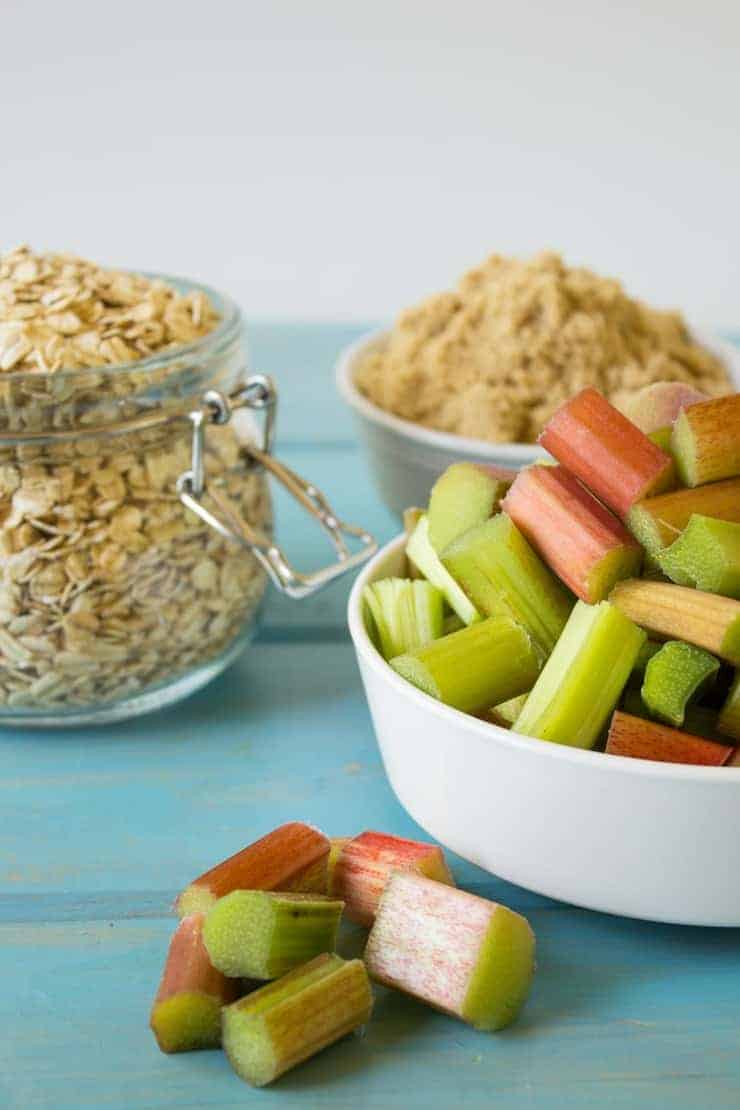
(291, 857)
(640, 739)
(655, 407)
(286, 1022)
(728, 722)
(706, 555)
(481, 665)
(402, 614)
(499, 571)
(421, 555)
(582, 680)
(366, 861)
(658, 521)
(674, 676)
(585, 544)
(186, 1014)
(611, 456)
(470, 958)
(261, 934)
(706, 440)
(465, 495)
(707, 620)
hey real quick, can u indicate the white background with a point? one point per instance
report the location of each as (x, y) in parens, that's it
(330, 159)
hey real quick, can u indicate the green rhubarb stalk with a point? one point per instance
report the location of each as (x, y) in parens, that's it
(582, 680)
(728, 722)
(675, 676)
(286, 1022)
(498, 569)
(402, 614)
(507, 712)
(484, 664)
(261, 935)
(466, 494)
(706, 555)
(422, 555)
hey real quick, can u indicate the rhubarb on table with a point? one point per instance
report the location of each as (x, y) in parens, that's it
(466, 494)
(609, 454)
(585, 544)
(291, 857)
(470, 958)
(582, 680)
(337, 844)
(706, 555)
(640, 739)
(403, 614)
(674, 676)
(728, 722)
(286, 1022)
(706, 440)
(658, 521)
(707, 620)
(422, 555)
(366, 862)
(481, 665)
(186, 1014)
(262, 934)
(499, 570)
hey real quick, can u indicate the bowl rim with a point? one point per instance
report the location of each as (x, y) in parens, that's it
(463, 446)
(492, 733)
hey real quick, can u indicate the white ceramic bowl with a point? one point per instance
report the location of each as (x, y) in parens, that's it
(626, 836)
(406, 459)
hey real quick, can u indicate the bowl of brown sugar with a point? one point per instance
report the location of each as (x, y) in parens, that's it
(474, 373)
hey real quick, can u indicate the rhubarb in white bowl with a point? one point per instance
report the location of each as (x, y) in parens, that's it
(595, 611)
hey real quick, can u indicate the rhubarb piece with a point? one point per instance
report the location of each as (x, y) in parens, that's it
(706, 440)
(481, 665)
(706, 555)
(582, 680)
(640, 739)
(403, 615)
(262, 934)
(500, 571)
(699, 720)
(470, 958)
(291, 857)
(186, 1014)
(728, 721)
(606, 451)
(467, 494)
(366, 862)
(270, 1031)
(707, 620)
(658, 522)
(422, 555)
(337, 843)
(507, 712)
(676, 675)
(655, 407)
(586, 546)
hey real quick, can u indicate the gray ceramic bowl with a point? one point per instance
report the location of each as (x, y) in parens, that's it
(406, 459)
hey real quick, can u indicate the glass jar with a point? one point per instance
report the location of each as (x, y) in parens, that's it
(136, 528)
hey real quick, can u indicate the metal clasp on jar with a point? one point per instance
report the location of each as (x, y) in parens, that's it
(259, 393)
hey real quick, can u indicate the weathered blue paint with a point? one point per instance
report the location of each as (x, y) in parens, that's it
(99, 829)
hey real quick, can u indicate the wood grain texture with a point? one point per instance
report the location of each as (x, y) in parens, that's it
(99, 828)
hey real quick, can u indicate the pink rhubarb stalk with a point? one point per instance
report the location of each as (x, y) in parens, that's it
(186, 1014)
(606, 451)
(585, 544)
(639, 739)
(462, 954)
(365, 862)
(291, 857)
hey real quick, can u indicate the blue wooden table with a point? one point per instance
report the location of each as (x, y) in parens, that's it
(100, 827)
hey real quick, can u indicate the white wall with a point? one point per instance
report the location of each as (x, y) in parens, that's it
(328, 158)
